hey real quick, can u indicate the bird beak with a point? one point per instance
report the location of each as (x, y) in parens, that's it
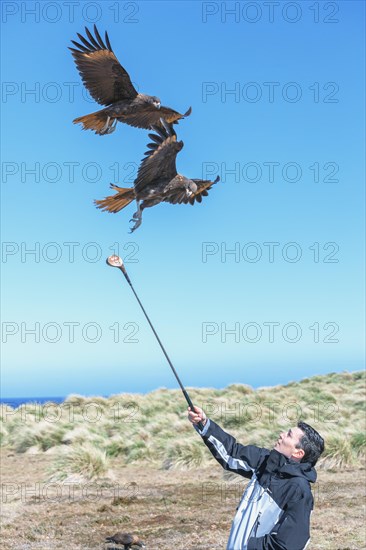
(158, 105)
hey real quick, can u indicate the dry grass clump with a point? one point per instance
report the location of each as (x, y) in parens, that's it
(183, 454)
(75, 399)
(117, 446)
(243, 389)
(154, 427)
(42, 435)
(84, 460)
(4, 435)
(358, 442)
(338, 453)
(342, 452)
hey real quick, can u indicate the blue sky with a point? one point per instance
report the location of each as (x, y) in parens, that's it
(262, 283)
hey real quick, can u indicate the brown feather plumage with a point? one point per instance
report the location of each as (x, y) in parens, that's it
(110, 85)
(115, 203)
(157, 178)
(126, 539)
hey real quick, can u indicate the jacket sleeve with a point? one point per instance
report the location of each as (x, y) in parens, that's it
(241, 459)
(292, 531)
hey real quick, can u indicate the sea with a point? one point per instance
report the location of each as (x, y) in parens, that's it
(16, 402)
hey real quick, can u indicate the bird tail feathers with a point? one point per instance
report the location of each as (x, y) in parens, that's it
(115, 203)
(97, 121)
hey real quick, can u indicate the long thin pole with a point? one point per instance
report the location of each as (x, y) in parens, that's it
(116, 261)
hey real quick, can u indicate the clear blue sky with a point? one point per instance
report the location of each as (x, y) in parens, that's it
(277, 93)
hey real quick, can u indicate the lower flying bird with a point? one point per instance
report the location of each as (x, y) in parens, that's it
(126, 540)
(110, 85)
(157, 179)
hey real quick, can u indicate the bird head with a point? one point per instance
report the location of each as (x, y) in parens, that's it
(191, 187)
(155, 101)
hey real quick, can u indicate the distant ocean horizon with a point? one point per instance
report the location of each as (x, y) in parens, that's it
(16, 402)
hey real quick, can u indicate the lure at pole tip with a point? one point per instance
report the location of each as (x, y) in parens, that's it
(114, 261)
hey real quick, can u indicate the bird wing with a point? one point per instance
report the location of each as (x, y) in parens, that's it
(203, 186)
(100, 70)
(158, 165)
(146, 115)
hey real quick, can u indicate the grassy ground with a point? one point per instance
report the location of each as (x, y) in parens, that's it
(74, 473)
(180, 509)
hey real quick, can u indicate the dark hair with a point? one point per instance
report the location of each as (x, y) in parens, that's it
(311, 442)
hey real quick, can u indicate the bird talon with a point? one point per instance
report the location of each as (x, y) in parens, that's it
(108, 127)
(104, 130)
(137, 224)
(112, 127)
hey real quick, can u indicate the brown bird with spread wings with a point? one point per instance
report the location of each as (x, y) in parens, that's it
(157, 179)
(110, 85)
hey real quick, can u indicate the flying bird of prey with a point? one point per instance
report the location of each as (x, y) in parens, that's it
(157, 179)
(110, 85)
(126, 539)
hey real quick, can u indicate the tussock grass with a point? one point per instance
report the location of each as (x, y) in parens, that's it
(358, 442)
(154, 427)
(41, 435)
(3, 435)
(338, 453)
(183, 454)
(86, 461)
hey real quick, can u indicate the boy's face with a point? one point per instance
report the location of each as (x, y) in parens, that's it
(287, 441)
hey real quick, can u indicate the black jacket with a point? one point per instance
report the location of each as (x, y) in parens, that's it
(274, 512)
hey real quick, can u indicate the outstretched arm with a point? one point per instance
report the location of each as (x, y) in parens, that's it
(241, 459)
